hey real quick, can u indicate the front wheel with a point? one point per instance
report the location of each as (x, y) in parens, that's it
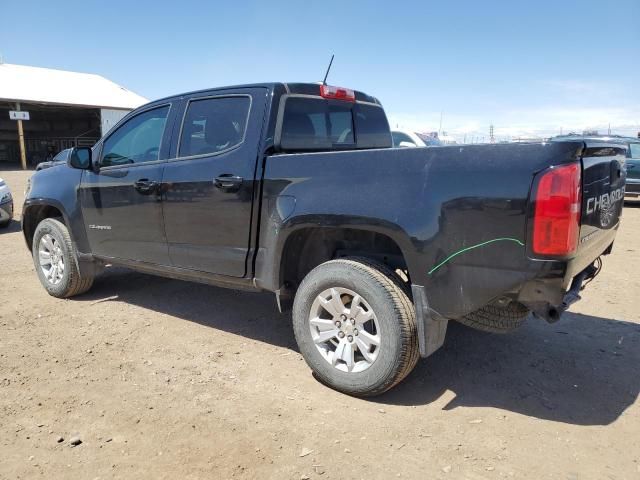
(355, 326)
(55, 260)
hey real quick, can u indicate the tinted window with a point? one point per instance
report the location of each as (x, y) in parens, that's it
(318, 124)
(137, 140)
(311, 124)
(634, 150)
(372, 128)
(214, 124)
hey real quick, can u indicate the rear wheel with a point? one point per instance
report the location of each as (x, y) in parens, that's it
(496, 319)
(55, 260)
(355, 326)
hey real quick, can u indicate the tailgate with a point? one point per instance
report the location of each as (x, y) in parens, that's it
(603, 184)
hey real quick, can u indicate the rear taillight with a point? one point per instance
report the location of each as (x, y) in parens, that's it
(556, 222)
(337, 93)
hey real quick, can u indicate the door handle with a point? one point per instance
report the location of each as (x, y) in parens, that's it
(228, 182)
(145, 186)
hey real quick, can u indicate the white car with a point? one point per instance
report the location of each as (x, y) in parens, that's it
(409, 138)
(6, 205)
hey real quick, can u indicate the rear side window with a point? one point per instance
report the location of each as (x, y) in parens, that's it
(214, 125)
(634, 150)
(319, 124)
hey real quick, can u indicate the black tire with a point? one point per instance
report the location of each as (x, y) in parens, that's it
(496, 319)
(383, 291)
(72, 282)
(5, 224)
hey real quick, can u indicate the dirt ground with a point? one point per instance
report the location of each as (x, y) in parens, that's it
(167, 379)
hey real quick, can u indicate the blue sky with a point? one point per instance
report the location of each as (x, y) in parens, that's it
(528, 67)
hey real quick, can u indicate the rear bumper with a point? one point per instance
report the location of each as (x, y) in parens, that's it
(552, 313)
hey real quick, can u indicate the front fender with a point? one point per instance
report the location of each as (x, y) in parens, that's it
(53, 192)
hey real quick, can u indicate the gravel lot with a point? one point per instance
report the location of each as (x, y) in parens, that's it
(166, 379)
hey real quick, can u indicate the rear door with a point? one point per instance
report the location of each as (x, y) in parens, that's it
(209, 185)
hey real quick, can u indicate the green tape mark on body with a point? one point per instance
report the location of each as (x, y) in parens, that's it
(466, 249)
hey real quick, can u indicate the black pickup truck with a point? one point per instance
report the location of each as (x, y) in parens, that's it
(295, 189)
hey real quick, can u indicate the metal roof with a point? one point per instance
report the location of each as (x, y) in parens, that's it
(44, 85)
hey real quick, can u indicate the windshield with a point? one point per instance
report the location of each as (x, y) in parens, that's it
(634, 150)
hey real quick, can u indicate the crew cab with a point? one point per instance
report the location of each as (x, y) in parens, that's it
(295, 188)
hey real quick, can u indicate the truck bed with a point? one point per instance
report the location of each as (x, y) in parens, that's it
(460, 214)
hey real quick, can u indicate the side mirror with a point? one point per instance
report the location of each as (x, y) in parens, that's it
(80, 158)
(407, 145)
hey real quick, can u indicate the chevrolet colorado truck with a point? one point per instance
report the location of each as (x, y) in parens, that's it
(295, 189)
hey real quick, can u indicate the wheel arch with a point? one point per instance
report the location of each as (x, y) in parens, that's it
(304, 245)
(34, 212)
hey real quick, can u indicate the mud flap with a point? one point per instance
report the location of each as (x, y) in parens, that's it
(432, 328)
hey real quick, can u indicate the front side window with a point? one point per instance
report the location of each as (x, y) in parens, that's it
(214, 125)
(138, 140)
(634, 150)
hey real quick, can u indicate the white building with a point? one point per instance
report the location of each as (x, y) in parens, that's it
(65, 109)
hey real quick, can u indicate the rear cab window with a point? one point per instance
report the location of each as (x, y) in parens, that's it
(311, 123)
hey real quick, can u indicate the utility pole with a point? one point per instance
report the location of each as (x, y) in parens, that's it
(440, 129)
(492, 139)
(23, 154)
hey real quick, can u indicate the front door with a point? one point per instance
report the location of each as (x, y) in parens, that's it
(121, 203)
(210, 184)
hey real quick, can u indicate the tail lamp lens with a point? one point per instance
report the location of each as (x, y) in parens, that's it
(337, 93)
(556, 224)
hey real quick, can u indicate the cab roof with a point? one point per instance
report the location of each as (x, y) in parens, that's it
(295, 88)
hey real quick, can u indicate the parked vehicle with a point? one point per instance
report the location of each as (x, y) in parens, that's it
(6, 205)
(295, 189)
(633, 169)
(632, 163)
(60, 159)
(411, 139)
